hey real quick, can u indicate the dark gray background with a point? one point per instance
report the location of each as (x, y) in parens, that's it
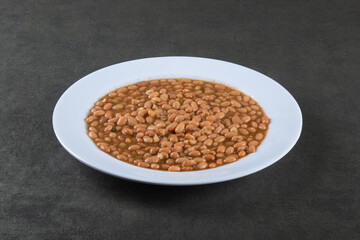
(310, 47)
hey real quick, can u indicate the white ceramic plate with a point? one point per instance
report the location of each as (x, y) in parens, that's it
(73, 106)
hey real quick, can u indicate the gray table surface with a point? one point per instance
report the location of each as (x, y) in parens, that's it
(310, 47)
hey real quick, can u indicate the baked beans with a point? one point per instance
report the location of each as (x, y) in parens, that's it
(177, 124)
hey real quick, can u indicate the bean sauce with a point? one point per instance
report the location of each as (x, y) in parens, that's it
(177, 124)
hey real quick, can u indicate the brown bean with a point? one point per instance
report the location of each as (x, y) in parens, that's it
(209, 157)
(179, 118)
(118, 107)
(134, 147)
(99, 113)
(143, 165)
(93, 135)
(253, 143)
(242, 154)
(229, 150)
(171, 127)
(243, 131)
(202, 138)
(262, 126)
(202, 165)
(251, 149)
(212, 165)
(230, 134)
(155, 166)
(108, 106)
(121, 157)
(259, 136)
(122, 121)
(152, 159)
(174, 168)
(173, 138)
(127, 131)
(230, 159)
(221, 149)
(164, 97)
(208, 142)
(181, 160)
(194, 153)
(220, 115)
(180, 127)
(104, 148)
(265, 120)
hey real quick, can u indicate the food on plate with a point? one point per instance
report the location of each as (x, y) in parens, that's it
(177, 124)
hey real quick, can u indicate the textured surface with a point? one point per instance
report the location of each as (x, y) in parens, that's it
(312, 49)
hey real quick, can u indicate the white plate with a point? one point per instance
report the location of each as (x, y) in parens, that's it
(73, 106)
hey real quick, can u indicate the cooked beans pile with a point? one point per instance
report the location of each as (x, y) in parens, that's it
(177, 124)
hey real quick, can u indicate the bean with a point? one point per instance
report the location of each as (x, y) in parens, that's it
(181, 160)
(121, 157)
(134, 147)
(140, 119)
(91, 119)
(179, 118)
(176, 105)
(265, 120)
(225, 104)
(237, 138)
(205, 123)
(152, 159)
(155, 166)
(229, 150)
(171, 127)
(259, 136)
(252, 149)
(174, 168)
(170, 161)
(165, 166)
(173, 138)
(230, 159)
(230, 134)
(127, 131)
(166, 144)
(180, 127)
(221, 149)
(113, 135)
(219, 139)
(246, 119)
(122, 121)
(209, 157)
(108, 106)
(99, 113)
(202, 165)
(105, 148)
(219, 162)
(253, 143)
(242, 154)
(220, 115)
(164, 97)
(92, 135)
(262, 126)
(243, 131)
(202, 138)
(196, 119)
(208, 142)
(212, 165)
(194, 153)
(143, 165)
(165, 149)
